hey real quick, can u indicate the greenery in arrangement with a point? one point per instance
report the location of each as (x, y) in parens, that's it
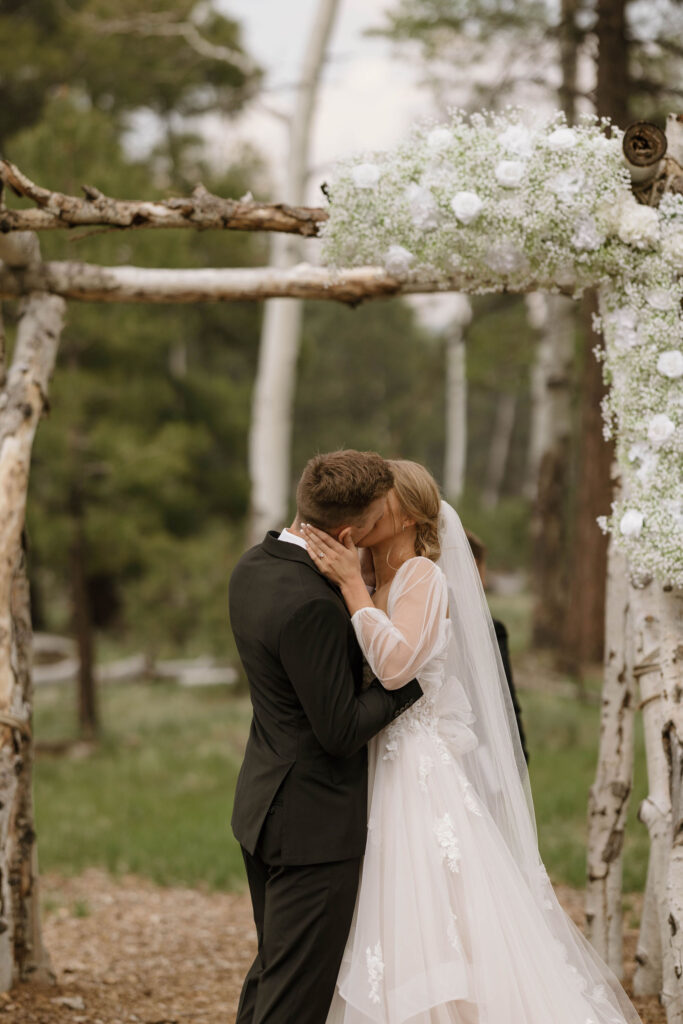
(504, 204)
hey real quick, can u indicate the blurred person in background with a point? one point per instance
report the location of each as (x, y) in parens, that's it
(479, 551)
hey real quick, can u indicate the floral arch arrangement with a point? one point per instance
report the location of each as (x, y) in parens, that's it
(511, 206)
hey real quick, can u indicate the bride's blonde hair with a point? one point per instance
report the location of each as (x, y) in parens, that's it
(418, 495)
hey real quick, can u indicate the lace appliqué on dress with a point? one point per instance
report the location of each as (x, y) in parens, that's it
(448, 842)
(424, 770)
(453, 936)
(375, 965)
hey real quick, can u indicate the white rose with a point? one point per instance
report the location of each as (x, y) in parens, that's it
(672, 247)
(567, 184)
(638, 225)
(506, 258)
(647, 467)
(623, 325)
(631, 523)
(398, 260)
(670, 364)
(586, 237)
(509, 173)
(638, 450)
(601, 144)
(439, 138)
(466, 206)
(365, 175)
(562, 138)
(424, 211)
(660, 428)
(661, 299)
(516, 139)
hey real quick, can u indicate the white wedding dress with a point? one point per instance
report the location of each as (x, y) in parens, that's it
(447, 929)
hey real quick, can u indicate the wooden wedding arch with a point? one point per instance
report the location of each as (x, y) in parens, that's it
(644, 623)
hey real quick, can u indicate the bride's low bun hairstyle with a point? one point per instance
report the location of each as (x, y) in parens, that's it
(419, 497)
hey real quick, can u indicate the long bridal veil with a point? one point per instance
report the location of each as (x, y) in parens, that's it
(496, 768)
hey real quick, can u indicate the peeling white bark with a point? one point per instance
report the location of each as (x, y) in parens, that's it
(609, 794)
(670, 607)
(647, 979)
(655, 810)
(22, 401)
(87, 282)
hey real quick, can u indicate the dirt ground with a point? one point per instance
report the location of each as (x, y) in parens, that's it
(126, 950)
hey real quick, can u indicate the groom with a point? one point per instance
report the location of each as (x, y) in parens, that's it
(300, 810)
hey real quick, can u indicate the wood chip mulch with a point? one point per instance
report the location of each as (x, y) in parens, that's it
(126, 950)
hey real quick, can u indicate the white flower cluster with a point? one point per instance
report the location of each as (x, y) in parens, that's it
(495, 203)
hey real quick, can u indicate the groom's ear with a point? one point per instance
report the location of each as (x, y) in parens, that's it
(343, 534)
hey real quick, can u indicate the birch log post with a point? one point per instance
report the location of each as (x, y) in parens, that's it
(670, 606)
(456, 399)
(647, 977)
(609, 794)
(655, 809)
(272, 405)
(22, 402)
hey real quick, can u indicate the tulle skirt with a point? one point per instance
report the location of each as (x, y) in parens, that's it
(446, 929)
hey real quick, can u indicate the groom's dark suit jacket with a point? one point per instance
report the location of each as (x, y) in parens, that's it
(311, 718)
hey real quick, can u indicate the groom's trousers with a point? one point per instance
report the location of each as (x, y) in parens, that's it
(303, 915)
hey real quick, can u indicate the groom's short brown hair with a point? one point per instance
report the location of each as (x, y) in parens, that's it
(336, 488)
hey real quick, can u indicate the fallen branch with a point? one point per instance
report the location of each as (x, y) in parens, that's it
(200, 210)
(88, 282)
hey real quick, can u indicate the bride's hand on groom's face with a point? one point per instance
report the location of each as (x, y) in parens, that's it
(338, 560)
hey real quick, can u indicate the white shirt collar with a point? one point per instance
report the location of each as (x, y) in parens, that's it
(292, 538)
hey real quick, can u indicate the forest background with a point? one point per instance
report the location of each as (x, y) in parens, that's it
(140, 496)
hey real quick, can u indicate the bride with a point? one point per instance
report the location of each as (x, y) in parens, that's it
(456, 921)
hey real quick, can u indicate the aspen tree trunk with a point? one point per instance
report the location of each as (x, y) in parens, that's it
(22, 401)
(502, 427)
(272, 413)
(456, 400)
(609, 794)
(548, 464)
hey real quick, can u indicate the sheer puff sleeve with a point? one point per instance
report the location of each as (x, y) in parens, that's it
(397, 645)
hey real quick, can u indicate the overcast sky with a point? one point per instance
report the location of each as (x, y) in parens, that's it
(367, 100)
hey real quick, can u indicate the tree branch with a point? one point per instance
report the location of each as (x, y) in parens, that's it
(159, 23)
(88, 282)
(200, 210)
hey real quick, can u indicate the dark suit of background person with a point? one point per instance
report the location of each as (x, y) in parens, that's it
(502, 638)
(479, 552)
(300, 810)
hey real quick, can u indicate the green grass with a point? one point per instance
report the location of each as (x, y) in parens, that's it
(563, 742)
(155, 796)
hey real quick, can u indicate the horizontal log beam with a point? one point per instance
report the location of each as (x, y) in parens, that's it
(88, 282)
(201, 210)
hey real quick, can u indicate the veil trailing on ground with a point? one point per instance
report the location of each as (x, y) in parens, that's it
(476, 698)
